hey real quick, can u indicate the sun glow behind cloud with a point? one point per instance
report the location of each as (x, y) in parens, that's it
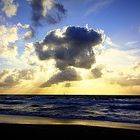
(67, 60)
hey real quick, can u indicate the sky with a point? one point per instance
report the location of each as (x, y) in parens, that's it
(70, 47)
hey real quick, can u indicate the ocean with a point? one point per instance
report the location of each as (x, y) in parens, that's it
(103, 108)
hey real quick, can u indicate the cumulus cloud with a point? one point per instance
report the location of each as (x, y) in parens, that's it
(72, 46)
(97, 72)
(11, 78)
(28, 34)
(9, 7)
(50, 11)
(8, 37)
(68, 74)
(28, 31)
(29, 56)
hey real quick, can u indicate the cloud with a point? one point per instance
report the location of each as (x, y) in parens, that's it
(72, 46)
(28, 35)
(11, 78)
(109, 42)
(8, 38)
(137, 66)
(128, 75)
(49, 11)
(97, 5)
(25, 26)
(68, 74)
(132, 43)
(29, 56)
(117, 59)
(129, 80)
(97, 72)
(9, 7)
(27, 31)
(9, 35)
(67, 85)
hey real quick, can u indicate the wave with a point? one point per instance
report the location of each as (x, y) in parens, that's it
(73, 107)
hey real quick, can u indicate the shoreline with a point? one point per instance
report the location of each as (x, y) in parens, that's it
(38, 127)
(68, 94)
(34, 120)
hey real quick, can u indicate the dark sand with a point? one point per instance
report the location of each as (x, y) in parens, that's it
(23, 127)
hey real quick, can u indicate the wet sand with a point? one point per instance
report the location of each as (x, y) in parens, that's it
(39, 126)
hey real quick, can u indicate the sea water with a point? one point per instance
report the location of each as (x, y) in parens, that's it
(102, 108)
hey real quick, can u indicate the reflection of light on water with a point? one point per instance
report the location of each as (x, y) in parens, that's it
(46, 121)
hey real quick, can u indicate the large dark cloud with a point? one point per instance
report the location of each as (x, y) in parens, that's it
(70, 47)
(50, 11)
(73, 48)
(68, 74)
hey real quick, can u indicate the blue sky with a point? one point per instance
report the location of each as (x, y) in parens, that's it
(119, 19)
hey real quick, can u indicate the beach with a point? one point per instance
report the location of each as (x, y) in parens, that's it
(96, 116)
(39, 126)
